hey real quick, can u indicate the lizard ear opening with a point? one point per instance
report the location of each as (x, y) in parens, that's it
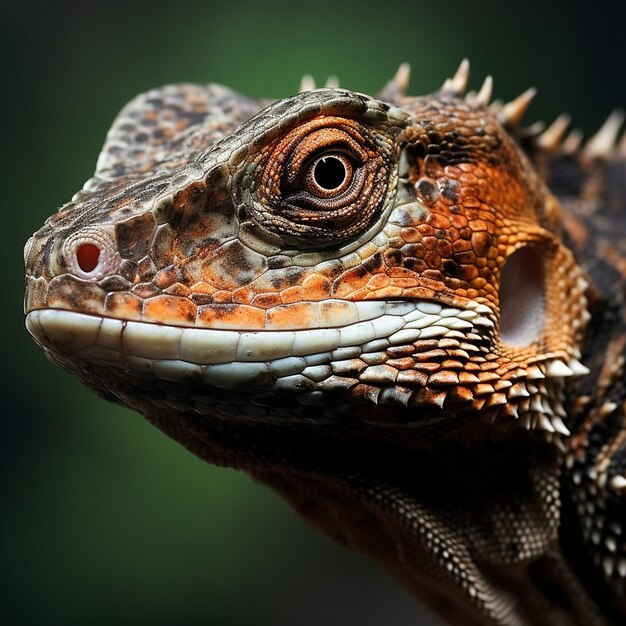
(522, 298)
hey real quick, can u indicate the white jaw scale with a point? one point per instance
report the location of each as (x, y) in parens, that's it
(230, 359)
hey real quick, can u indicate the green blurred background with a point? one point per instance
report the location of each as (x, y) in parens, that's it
(104, 520)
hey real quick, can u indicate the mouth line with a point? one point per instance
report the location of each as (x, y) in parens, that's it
(224, 356)
(243, 374)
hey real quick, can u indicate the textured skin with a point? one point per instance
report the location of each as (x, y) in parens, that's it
(392, 339)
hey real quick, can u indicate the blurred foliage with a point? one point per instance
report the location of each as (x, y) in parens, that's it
(104, 520)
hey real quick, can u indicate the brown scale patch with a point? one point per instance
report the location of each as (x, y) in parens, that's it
(146, 290)
(164, 246)
(401, 364)
(68, 292)
(189, 194)
(134, 236)
(316, 287)
(267, 300)
(144, 270)
(427, 191)
(178, 289)
(172, 275)
(444, 377)
(233, 266)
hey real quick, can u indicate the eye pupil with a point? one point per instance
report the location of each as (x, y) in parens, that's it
(329, 173)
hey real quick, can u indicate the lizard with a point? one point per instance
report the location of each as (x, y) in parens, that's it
(405, 314)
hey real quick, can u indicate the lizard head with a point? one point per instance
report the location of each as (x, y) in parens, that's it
(330, 257)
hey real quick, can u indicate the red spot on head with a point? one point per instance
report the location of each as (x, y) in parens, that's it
(87, 256)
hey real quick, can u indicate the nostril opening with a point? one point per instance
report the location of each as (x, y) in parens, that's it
(522, 298)
(87, 257)
(90, 253)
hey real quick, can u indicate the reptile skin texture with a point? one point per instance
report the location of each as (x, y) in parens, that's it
(405, 314)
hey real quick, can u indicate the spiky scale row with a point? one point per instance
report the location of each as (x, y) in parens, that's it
(603, 145)
(307, 83)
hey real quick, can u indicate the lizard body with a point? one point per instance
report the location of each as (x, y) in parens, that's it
(405, 314)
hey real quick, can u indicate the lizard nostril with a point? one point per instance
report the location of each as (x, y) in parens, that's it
(91, 253)
(87, 257)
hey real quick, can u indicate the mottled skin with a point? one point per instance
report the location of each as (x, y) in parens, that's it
(471, 454)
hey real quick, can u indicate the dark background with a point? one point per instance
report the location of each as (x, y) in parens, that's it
(104, 520)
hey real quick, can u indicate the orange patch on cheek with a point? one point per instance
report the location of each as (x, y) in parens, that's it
(379, 281)
(203, 288)
(123, 305)
(231, 316)
(300, 315)
(316, 287)
(169, 310)
(267, 300)
(292, 294)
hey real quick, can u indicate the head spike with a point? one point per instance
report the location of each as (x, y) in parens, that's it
(307, 83)
(332, 82)
(551, 138)
(532, 131)
(397, 86)
(458, 83)
(513, 112)
(483, 97)
(602, 144)
(402, 77)
(572, 142)
(621, 148)
(495, 107)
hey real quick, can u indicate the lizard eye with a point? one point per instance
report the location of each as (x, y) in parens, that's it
(325, 182)
(329, 175)
(324, 173)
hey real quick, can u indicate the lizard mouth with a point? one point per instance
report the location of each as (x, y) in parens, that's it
(231, 358)
(404, 353)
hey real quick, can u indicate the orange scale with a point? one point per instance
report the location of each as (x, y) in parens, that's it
(298, 315)
(238, 316)
(166, 309)
(123, 305)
